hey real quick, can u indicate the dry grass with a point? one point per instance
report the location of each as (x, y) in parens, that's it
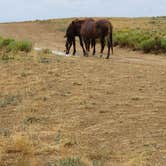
(75, 106)
(53, 107)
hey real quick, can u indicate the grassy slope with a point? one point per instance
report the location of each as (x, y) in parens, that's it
(50, 33)
(55, 107)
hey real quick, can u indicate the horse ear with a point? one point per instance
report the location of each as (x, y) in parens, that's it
(75, 21)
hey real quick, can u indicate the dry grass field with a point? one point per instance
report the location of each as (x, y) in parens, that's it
(106, 112)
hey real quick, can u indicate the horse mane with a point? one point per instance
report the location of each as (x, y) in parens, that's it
(70, 29)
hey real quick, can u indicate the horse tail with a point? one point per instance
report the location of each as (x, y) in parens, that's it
(110, 36)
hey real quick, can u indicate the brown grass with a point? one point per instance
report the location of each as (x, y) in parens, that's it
(107, 110)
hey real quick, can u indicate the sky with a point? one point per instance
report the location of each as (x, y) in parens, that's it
(22, 10)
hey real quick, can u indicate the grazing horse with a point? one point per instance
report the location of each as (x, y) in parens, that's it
(72, 31)
(91, 30)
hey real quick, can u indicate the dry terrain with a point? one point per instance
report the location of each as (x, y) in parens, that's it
(54, 107)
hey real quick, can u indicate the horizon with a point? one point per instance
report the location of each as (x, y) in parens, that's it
(45, 19)
(54, 9)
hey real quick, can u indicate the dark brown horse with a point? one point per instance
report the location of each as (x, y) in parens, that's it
(72, 31)
(102, 29)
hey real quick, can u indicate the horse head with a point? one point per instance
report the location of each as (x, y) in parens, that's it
(72, 31)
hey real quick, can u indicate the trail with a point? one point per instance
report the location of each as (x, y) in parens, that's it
(56, 52)
(125, 56)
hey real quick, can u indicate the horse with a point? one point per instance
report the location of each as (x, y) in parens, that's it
(88, 30)
(91, 30)
(72, 31)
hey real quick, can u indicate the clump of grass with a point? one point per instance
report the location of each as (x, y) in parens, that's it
(25, 46)
(16, 144)
(5, 42)
(19, 144)
(10, 45)
(4, 132)
(148, 45)
(9, 100)
(30, 120)
(163, 43)
(22, 147)
(154, 45)
(44, 60)
(7, 57)
(140, 40)
(46, 51)
(68, 162)
(98, 163)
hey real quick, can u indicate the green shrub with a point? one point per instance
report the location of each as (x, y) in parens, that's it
(148, 45)
(163, 44)
(148, 41)
(5, 42)
(25, 46)
(11, 47)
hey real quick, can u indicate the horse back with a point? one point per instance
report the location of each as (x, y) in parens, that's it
(104, 26)
(88, 28)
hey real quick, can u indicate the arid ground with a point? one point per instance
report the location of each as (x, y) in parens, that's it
(54, 107)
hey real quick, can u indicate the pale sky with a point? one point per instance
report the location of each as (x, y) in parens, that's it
(21, 10)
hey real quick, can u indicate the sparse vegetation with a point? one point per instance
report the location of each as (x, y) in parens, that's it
(9, 100)
(71, 161)
(24, 46)
(68, 162)
(105, 112)
(10, 45)
(46, 51)
(140, 40)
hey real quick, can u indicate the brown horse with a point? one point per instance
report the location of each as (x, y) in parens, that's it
(91, 30)
(72, 31)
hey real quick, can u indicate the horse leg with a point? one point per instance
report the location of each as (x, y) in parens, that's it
(88, 45)
(94, 46)
(111, 42)
(86, 41)
(82, 45)
(109, 46)
(74, 47)
(102, 41)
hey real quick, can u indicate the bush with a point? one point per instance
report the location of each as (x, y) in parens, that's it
(5, 42)
(163, 44)
(140, 40)
(148, 45)
(25, 46)
(10, 45)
